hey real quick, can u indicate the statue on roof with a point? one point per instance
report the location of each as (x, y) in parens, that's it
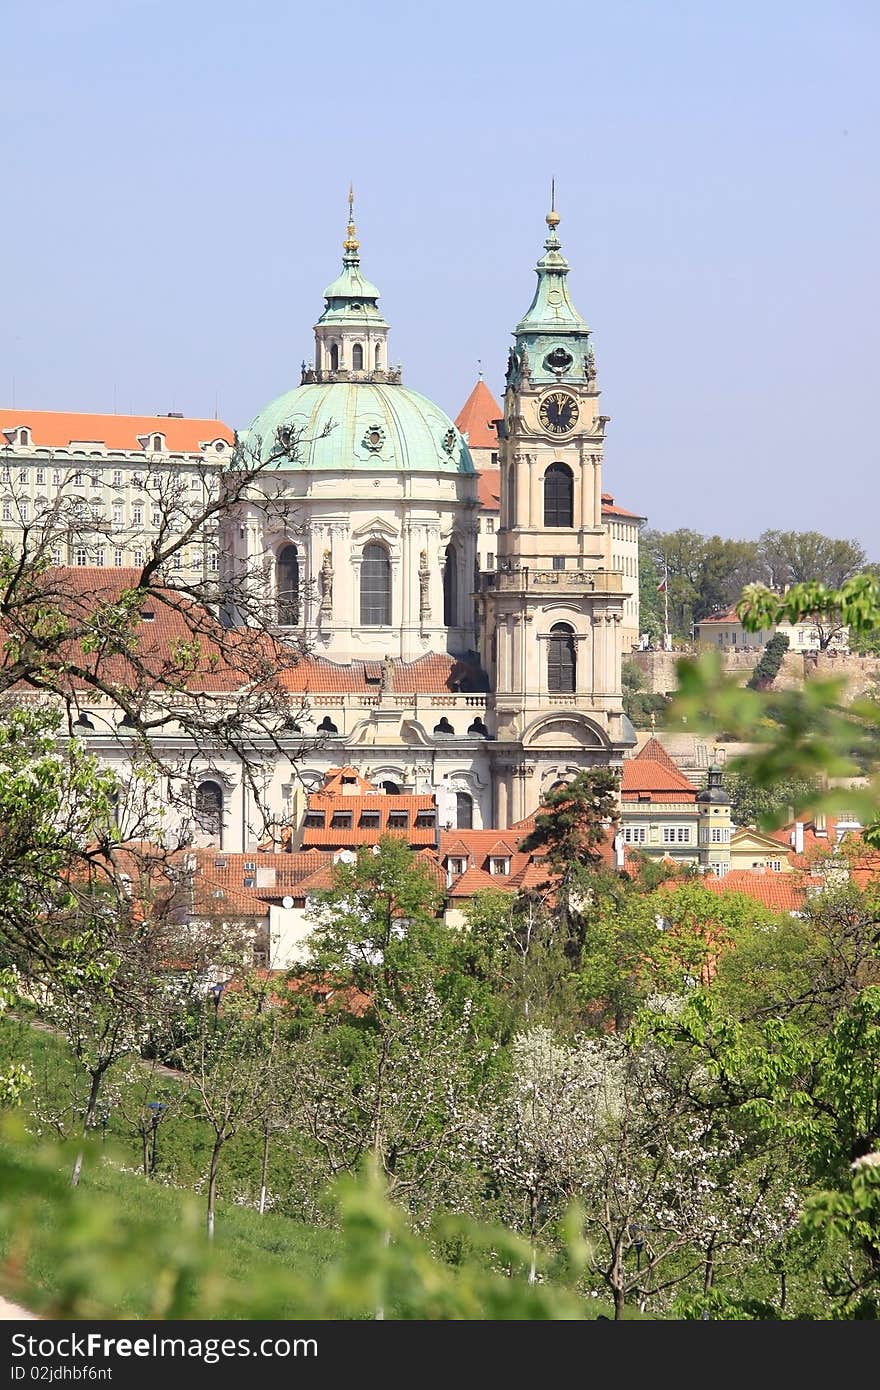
(387, 673)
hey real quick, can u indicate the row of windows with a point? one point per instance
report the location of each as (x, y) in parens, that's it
(622, 532)
(357, 357)
(625, 563)
(100, 556)
(19, 509)
(209, 816)
(80, 478)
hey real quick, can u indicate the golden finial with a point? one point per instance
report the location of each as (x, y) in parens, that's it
(351, 242)
(552, 215)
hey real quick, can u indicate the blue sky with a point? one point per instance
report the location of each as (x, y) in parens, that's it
(176, 176)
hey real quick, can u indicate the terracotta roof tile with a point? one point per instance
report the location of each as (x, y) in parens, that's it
(609, 509)
(489, 489)
(647, 775)
(59, 429)
(476, 416)
(653, 749)
(779, 892)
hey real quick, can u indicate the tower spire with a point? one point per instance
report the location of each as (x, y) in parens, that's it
(351, 245)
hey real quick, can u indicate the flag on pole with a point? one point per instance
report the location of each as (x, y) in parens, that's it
(661, 587)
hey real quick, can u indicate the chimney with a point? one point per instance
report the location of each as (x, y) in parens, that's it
(820, 824)
(798, 838)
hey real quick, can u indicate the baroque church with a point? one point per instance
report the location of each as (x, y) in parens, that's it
(425, 673)
(463, 590)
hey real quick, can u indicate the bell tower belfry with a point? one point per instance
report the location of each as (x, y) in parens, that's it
(551, 613)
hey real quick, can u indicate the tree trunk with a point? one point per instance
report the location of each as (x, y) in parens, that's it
(212, 1184)
(88, 1123)
(709, 1270)
(265, 1169)
(145, 1143)
(617, 1282)
(533, 1228)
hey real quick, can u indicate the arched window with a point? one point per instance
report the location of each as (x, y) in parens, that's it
(464, 811)
(390, 788)
(450, 587)
(24, 437)
(375, 586)
(559, 495)
(157, 443)
(287, 586)
(334, 358)
(561, 660)
(209, 810)
(357, 358)
(377, 360)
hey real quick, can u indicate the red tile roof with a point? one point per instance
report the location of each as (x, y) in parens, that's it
(779, 892)
(658, 782)
(654, 751)
(59, 429)
(489, 489)
(609, 509)
(476, 416)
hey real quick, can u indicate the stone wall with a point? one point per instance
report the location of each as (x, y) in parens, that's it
(861, 673)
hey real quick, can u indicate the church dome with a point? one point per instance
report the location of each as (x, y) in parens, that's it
(370, 426)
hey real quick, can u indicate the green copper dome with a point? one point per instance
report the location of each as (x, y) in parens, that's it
(373, 427)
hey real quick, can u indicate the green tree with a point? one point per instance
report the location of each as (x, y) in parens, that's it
(770, 662)
(804, 557)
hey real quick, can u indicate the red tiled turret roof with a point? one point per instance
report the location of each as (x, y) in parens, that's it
(476, 416)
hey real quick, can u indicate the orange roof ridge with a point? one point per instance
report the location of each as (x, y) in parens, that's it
(476, 416)
(654, 750)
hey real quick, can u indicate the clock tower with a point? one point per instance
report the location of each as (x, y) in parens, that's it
(551, 613)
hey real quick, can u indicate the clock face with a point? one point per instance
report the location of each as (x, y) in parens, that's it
(558, 412)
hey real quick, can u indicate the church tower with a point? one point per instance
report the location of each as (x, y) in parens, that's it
(551, 614)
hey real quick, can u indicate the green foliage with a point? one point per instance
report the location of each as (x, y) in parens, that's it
(770, 662)
(572, 822)
(767, 807)
(120, 1247)
(646, 711)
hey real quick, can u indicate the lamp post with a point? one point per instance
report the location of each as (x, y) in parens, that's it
(156, 1109)
(216, 992)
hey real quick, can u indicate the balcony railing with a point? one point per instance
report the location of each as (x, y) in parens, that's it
(595, 581)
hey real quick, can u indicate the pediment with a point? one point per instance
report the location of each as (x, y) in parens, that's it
(376, 526)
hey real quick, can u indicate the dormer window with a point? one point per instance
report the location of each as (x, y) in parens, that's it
(370, 820)
(341, 820)
(499, 864)
(398, 820)
(456, 867)
(157, 443)
(24, 437)
(314, 820)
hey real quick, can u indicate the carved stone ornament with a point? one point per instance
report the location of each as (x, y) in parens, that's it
(449, 441)
(424, 588)
(373, 439)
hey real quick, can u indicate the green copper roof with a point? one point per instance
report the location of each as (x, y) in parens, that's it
(375, 427)
(551, 310)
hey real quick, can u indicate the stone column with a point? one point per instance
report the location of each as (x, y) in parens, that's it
(586, 493)
(596, 461)
(501, 806)
(522, 491)
(536, 511)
